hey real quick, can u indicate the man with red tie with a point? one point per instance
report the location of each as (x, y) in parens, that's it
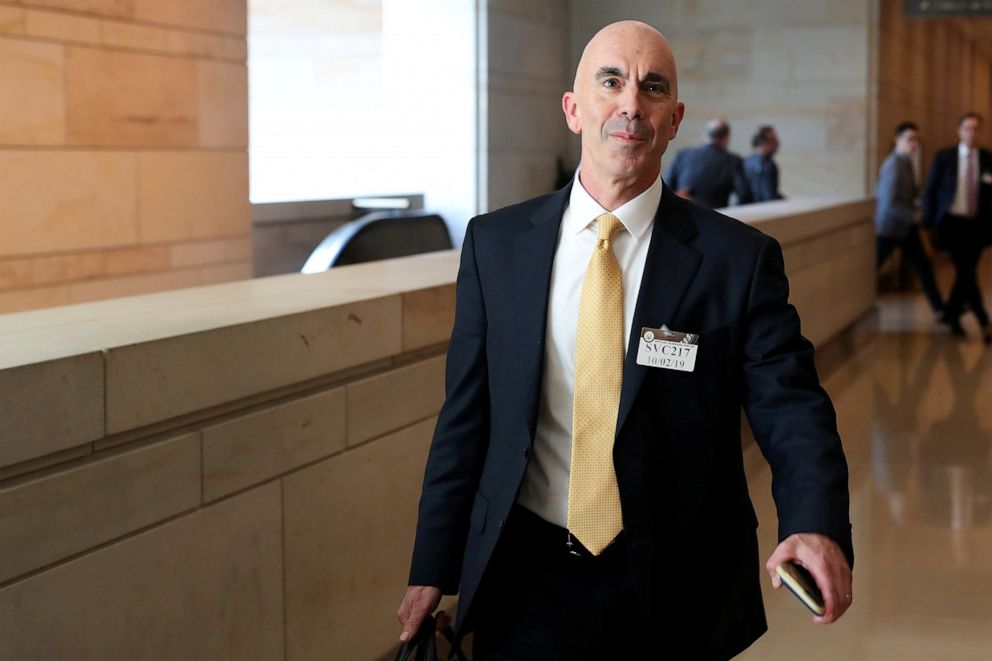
(957, 205)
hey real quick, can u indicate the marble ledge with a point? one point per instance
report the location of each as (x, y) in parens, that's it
(798, 219)
(43, 335)
(48, 334)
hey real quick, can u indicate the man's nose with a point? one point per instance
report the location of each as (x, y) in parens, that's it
(630, 103)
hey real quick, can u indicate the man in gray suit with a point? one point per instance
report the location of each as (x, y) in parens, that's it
(709, 173)
(896, 215)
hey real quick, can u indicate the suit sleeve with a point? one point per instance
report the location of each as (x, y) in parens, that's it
(674, 172)
(895, 214)
(931, 194)
(790, 414)
(460, 441)
(741, 185)
(774, 193)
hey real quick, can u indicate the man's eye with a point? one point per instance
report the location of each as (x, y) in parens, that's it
(611, 83)
(656, 88)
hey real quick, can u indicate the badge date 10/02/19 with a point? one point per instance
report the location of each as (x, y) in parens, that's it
(665, 349)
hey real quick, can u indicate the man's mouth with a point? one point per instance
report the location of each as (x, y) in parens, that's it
(624, 136)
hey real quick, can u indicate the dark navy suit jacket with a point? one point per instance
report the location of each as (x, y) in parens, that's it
(938, 195)
(710, 174)
(688, 521)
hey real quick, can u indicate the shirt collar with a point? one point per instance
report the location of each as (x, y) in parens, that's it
(636, 215)
(963, 150)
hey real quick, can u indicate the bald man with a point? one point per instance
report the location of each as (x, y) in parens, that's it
(585, 493)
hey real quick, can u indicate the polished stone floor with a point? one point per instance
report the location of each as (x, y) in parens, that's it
(915, 412)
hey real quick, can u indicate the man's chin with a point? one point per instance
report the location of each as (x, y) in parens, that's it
(629, 165)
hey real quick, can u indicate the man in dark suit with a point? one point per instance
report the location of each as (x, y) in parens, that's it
(709, 173)
(957, 205)
(896, 213)
(760, 167)
(585, 493)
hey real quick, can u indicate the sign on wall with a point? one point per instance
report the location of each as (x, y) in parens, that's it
(942, 8)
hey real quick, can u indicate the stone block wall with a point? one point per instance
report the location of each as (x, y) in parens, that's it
(528, 70)
(240, 483)
(123, 148)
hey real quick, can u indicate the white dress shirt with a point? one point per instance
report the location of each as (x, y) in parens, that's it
(960, 206)
(545, 486)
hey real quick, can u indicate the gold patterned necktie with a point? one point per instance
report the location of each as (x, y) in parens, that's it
(594, 516)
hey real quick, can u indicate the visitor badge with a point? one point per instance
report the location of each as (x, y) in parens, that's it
(667, 349)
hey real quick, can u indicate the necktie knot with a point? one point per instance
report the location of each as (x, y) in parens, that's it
(609, 225)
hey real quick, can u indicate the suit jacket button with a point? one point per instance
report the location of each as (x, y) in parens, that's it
(500, 524)
(526, 452)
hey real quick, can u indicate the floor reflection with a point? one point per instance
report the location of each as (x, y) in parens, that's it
(915, 412)
(944, 463)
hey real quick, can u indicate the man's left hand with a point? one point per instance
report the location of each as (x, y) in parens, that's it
(822, 557)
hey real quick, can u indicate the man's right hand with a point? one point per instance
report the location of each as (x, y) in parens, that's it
(419, 602)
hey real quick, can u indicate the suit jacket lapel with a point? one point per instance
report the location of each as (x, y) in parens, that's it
(534, 252)
(668, 272)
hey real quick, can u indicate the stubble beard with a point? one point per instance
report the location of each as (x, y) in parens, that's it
(628, 160)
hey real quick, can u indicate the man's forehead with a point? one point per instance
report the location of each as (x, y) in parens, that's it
(626, 59)
(642, 74)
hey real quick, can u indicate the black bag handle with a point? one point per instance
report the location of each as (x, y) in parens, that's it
(423, 645)
(456, 649)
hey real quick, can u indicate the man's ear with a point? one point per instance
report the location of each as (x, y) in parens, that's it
(571, 110)
(677, 115)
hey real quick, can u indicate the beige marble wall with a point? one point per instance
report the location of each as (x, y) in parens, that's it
(348, 540)
(235, 481)
(528, 70)
(204, 586)
(803, 66)
(123, 148)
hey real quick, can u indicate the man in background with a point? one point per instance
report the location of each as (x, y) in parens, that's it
(896, 214)
(957, 204)
(709, 173)
(760, 168)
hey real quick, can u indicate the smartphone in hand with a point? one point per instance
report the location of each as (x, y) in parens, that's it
(801, 583)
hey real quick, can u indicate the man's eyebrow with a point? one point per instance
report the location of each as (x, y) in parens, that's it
(605, 72)
(652, 77)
